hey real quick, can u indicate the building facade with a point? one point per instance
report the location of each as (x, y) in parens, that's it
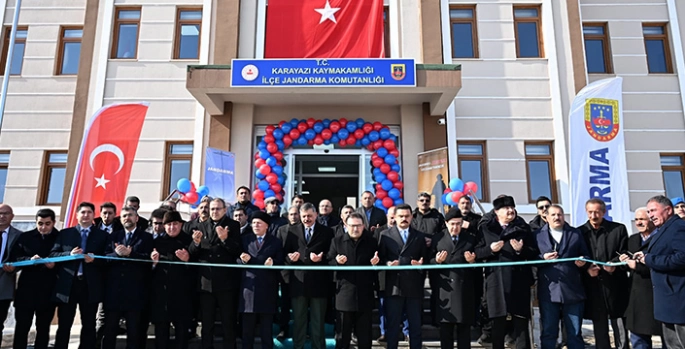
(500, 74)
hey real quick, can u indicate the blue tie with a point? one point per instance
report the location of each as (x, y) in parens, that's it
(405, 236)
(128, 238)
(259, 241)
(307, 235)
(84, 239)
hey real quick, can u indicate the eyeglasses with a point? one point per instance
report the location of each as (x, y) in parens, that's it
(157, 223)
(424, 200)
(543, 207)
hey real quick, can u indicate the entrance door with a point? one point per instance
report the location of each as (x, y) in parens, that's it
(318, 177)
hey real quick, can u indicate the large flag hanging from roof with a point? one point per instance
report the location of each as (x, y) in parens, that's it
(106, 157)
(324, 29)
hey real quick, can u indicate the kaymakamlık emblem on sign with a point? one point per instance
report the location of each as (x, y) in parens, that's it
(601, 118)
(399, 71)
(250, 72)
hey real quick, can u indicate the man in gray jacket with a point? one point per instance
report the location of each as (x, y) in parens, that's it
(7, 277)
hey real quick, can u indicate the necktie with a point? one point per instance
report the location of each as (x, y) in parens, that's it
(128, 238)
(1, 240)
(307, 234)
(84, 239)
(455, 240)
(259, 241)
(405, 236)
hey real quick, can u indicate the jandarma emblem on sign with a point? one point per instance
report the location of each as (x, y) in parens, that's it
(399, 71)
(601, 118)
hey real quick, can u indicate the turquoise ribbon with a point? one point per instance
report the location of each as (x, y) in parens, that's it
(323, 267)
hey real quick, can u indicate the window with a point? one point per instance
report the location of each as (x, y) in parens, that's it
(540, 171)
(69, 50)
(386, 30)
(463, 31)
(472, 166)
(656, 46)
(52, 184)
(126, 26)
(527, 25)
(17, 54)
(188, 24)
(177, 162)
(4, 162)
(597, 54)
(673, 168)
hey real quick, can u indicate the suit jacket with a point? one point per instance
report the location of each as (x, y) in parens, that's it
(378, 217)
(36, 282)
(259, 287)
(309, 283)
(665, 256)
(405, 283)
(354, 289)
(116, 224)
(330, 221)
(212, 250)
(172, 284)
(67, 240)
(8, 280)
(191, 225)
(126, 281)
(282, 234)
(456, 286)
(641, 300)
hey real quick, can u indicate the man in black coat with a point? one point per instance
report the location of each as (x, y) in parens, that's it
(326, 216)
(354, 297)
(283, 318)
(641, 301)
(273, 210)
(244, 196)
(79, 282)
(202, 216)
(134, 201)
(605, 287)
(218, 241)
(542, 204)
(108, 220)
(307, 244)
(126, 281)
(457, 303)
(345, 212)
(36, 283)
(173, 285)
(403, 245)
(374, 217)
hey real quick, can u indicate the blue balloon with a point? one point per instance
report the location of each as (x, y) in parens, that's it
(281, 180)
(202, 191)
(277, 169)
(264, 154)
(261, 145)
(456, 184)
(449, 201)
(385, 133)
(326, 141)
(278, 133)
(259, 175)
(386, 184)
(303, 120)
(335, 139)
(390, 159)
(343, 133)
(381, 177)
(444, 198)
(379, 203)
(263, 185)
(382, 152)
(398, 202)
(358, 143)
(376, 172)
(326, 122)
(271, 161)
(302, 140)
(366, 141)
(351, 126)
(280, 144)
(309, 134)
(294, 122)
(374, 136)
(394, 193)
(393, 138)
(318, 127)
(360, 122)
(286, 128)
(269, 193)
(395, 167)
(193, 206)
(183, 185)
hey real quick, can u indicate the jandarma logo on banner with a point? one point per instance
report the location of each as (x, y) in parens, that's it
(601, 118)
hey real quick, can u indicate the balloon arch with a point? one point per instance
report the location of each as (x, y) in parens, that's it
(357, 133)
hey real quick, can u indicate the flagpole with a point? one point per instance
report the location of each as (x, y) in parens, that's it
(8, 64)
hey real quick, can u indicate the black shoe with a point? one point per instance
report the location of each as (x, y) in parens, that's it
(381, 339)
(484, 339)
(281, 336)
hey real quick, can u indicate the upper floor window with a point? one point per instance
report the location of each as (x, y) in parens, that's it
(597, 54)
(188, 26)
(656, 46)
(17, 54)
(53, 173)
(126, 27)
(4, 163)
(178, 159)
(473, 166)
(463, 31)
(540, 171)
(527, 24)
(673, 169)
(69, 51)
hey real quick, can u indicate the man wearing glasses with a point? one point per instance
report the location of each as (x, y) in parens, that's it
(542, 203)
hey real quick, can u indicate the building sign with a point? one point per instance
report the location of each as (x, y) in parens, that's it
(433, 176)
(323, 72)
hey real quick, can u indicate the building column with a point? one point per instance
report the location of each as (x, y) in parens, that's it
(411, 143)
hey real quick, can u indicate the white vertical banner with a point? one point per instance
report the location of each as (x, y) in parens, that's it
(597, 151)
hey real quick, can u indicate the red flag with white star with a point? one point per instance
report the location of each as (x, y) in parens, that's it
(106, 157)
(324, 29)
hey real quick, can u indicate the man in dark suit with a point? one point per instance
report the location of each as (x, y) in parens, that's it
(374, 217)
(403, 245)
(284, 279)
(259, 287)
(354, 298)
(218, 241)
(108, 220)
(126, 290)
(307, 244)
(665, 256)
(202, 216)
(134, 201)
(345, 212)
(36, 283)
(326, 216)
(273, 209)
(79, 282)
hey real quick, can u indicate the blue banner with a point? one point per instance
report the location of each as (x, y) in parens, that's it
(339, 72)
(219, 174)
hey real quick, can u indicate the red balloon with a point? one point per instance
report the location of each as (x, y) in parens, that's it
(385, 168)
(278, 156)
(191, 197)
(256, 156)
(388, 202)
(470, 188)
(342, 142)
(374, 156)
(367, 128)
(395, 153)
(259, 163)
(351, 140)
(377, 144)
(377, 162)
(294, 133)
(265, 169)
(287, 141)
(379, 187)
(270, 129)
(389, 144)
(302, 127)
(272, 178)
(280, 124)
(399, 185)
(381, 194)
(358, 133)
(377, 126)
(326, 134)
(272, 147)
(370, 147)
(393, 176)
(456, 195)
(311, 122)
(268, 139)
(258, 194)
(448, 190)
(318, 140)
(334, 126)
(343, 122)
(310, 142)
(276, 187)
(279, 197)
(259, 203)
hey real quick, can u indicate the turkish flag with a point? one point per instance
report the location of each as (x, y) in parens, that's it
(324, 29)
(106, 157)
